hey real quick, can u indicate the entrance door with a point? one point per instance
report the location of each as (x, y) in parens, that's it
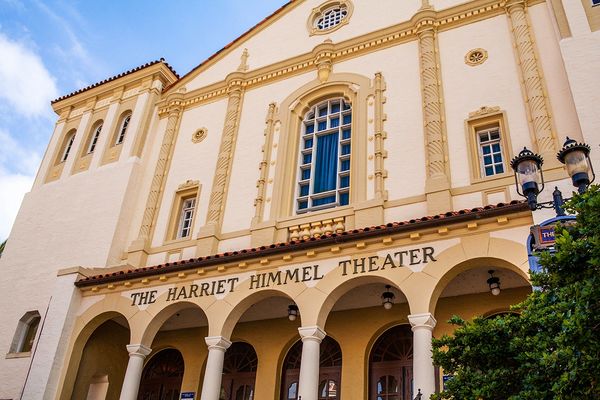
(390, 365)
(239, 372)
(162, 376)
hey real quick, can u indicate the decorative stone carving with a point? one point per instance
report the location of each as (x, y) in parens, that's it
(259, 202)
(244, 61)
(476, 57)
(380, 135)
(188, 184)
(484, 110)
(225, 158)
(532, 80)
(437, 168)
(199, 135)
(316, 229)
(160, 171)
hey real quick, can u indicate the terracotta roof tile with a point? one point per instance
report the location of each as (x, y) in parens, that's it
(112, 78)
(371, 231)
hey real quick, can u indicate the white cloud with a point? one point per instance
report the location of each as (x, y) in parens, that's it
(12, 189)
(15, 183)
(25, 83)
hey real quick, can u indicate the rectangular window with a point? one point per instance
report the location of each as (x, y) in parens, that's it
(186, 218)
(488, 144)
(183, 212)
(490, 151)
(595, 2)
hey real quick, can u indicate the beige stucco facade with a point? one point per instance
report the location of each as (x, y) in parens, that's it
(102, 249)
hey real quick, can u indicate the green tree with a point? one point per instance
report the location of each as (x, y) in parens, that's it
(551, 349)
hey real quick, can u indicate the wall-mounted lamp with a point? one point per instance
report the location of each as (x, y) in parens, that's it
(387, 298)
(494, 283)
(292, 312)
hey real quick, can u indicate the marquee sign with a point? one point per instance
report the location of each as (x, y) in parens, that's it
(304, 273)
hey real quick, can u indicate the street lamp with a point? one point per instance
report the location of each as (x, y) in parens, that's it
(529, 176)
(576, 156)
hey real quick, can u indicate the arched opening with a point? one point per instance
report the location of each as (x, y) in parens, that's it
(330, 371)
(390, 365)
(180, 327)
(103, 361)
(162, 376)
(470, 287)
(239, 372)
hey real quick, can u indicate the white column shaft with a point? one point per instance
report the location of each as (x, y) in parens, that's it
(308, 385)
(211, 388)
(423, 369)
(133, 374)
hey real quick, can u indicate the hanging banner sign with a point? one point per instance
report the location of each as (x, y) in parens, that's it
(188, 395)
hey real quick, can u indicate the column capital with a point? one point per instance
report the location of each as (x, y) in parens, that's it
(138, 350)
(424, 320)
(217, 343)
(312, 333)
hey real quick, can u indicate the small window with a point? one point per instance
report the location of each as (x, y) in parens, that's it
(489, 146)
(68, 146)
(186, 218)
(123, 129)
(595, 2)
(26, 332)
(94, 140)
(331, 18)
(491, 157)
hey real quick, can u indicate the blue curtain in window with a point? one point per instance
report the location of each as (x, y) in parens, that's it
(325, 172)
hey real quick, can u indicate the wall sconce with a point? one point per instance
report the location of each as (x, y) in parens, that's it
(387, 298)
(494, 283)
(292, 312)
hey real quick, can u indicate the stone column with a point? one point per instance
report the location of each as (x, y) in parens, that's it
(423, 370)
(211, 388)
(133, 374)
(532, 82)
(437, 184)
(308, 386)
(137, 250)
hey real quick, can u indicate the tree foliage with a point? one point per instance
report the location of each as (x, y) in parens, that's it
(551, 349)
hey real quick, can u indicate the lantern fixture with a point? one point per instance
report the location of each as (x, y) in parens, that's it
(292, 312)
(576, 156)
(387, 298)
(529, 177)
(494, 283)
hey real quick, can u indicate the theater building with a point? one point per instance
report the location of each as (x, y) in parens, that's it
(299, 215)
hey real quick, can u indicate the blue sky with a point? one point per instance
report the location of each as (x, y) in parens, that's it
(51, 48)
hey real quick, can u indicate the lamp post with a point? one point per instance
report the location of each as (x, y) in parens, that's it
(529, 176)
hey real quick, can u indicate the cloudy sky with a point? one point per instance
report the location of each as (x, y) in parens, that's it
(50, 48)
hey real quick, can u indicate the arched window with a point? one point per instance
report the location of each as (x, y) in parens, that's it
(390, 365)
(94, 139)
(239, 372)
(162, 376)
(70, 138)
(123, 128)
(324, 159)
(330, 371)
(26, 331)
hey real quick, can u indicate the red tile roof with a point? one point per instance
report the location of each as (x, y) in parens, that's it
(302, 244)
(112, 78)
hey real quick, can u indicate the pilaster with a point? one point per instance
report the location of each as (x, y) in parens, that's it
(437, 185)
(532, 82)
(138, 252)
(208, 237)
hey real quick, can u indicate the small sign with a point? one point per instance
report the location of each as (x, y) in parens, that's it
(543, 236)
(188, 395)
(445, 379)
